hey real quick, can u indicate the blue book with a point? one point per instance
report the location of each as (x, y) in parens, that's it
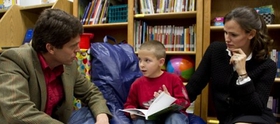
(83, 20)
(28, 36)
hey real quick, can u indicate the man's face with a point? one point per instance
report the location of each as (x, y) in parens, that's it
(68, 52)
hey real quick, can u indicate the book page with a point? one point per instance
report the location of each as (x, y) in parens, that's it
(139, 112)
(161, 102)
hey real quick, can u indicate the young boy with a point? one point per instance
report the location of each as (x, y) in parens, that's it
(151, 56)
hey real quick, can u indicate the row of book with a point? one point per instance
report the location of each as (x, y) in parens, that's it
(163, 6)
(275, 56)
(95, 11)
(175, 38)
(5, 4)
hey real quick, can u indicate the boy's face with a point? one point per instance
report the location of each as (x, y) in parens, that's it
(149, 64)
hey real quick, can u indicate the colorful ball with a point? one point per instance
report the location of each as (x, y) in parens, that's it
(183, 66)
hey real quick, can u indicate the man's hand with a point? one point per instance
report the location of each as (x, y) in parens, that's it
(102, 119)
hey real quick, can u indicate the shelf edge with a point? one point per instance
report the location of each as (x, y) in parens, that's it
(269, 26)
(36, 6)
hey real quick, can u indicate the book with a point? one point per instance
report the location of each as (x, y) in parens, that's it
(159, 107)
(28, 36)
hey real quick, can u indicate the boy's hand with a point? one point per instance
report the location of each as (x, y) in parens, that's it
(133, 116)
(164, 90)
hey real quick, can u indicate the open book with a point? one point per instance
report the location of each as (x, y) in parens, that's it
(160, 106)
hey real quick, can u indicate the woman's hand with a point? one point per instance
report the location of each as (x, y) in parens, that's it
(238, 59)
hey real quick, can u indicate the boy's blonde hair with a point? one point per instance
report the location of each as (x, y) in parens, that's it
(156, 46)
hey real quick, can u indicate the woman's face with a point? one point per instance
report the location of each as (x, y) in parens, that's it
(236, 37)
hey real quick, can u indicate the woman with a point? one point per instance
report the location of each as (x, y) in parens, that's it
(240, 71)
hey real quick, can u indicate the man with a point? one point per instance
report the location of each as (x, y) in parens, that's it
(38, 82)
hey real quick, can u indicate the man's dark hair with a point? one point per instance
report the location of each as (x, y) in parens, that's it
(56, 27)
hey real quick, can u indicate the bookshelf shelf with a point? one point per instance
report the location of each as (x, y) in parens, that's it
(216, 28)
(107, 25)
(273, 26)
(219, 28)
(48, 5)
(277, 80)
(212, 120)
(173, 15)
(3, 11)
(178, 52)
(36, 9)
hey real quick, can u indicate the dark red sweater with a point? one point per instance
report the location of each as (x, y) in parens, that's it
(142, 91)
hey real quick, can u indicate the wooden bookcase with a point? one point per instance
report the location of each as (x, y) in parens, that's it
(218, 8)
(180, 19)
(15, 21)
(121, 31)
(124, 31)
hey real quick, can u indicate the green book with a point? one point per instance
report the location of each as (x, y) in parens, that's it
(161, 106)
(162, 113)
